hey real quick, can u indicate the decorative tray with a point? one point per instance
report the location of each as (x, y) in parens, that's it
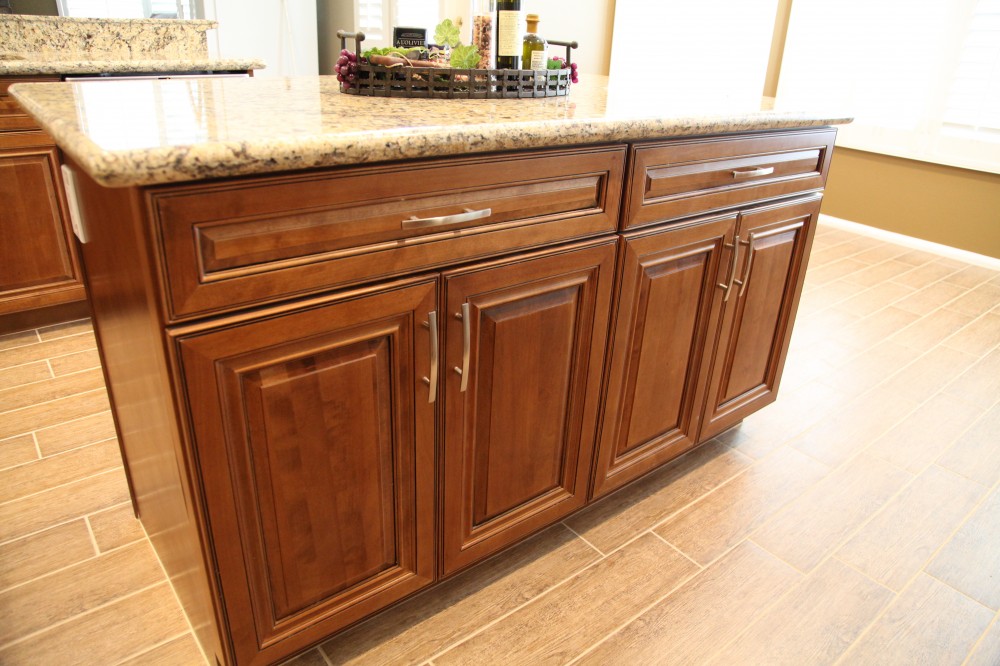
(452, 83)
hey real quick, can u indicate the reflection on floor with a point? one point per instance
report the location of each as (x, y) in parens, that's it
(857, 518)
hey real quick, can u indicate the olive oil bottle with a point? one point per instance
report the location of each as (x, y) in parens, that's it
(533, 54)
(508, 34)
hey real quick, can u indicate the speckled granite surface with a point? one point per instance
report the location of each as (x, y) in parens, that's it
(43, 67)
(148, 132)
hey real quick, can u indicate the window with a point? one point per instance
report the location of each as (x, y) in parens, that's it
(376, 18)
(921, 77)
(126, 8)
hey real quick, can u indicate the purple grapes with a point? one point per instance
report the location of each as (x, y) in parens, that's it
(346, 68)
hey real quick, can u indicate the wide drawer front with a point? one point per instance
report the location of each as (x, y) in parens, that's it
(253, 240)
(679, 178)
(12, 116)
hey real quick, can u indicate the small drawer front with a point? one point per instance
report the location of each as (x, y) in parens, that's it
(677, 179)
(12, 116)
(259, 239)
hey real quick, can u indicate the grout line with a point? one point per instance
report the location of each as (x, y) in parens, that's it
(979, 641)
(52, 371)
(93, 537)
(673, 547)
(64, 483)
(581, 537)
(48, 402)
(858, 571)
(322, 653)
(946, 583)
(38, 450)
(149, 649)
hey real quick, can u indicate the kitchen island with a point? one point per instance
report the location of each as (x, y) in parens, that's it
(356, 345)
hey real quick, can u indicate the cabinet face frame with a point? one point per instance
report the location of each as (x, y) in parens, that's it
(530, 297)
(668, 311)
(239, 453)
(757, 322)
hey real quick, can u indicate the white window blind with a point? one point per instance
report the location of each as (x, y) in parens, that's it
(921, 77)
(376, 18)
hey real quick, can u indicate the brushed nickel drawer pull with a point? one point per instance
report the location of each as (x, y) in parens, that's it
(432, 325)
(753, 173)
(466, 345)
(417, 222)
(746, 269)
(728, 284)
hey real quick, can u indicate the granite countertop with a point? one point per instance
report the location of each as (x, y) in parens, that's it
(32, 65)
(150, 132)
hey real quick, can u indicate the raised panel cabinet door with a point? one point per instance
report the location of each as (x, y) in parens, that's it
(774, 247)
(669, 303)
(315, 436)
(524, 353)
(38, 264)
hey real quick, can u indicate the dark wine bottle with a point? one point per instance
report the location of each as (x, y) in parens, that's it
(509, 34)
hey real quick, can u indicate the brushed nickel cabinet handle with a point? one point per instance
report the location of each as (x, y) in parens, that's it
(466, 345)
(753, 173)
(728, 284)
(746, 269)
(414, 222)
(432, 382)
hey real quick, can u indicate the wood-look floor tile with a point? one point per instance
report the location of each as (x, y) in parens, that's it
(918, 440)
(720, 520)
(37, 512)
(61, 595)
(604, 597)
(813, 525)
(709, 611)
(971, 276)
(928, 374)
(930, 623)
(74, 434)
(43, 350)
(987, 653)
(970, 562)
(879, 273)
(980, 384)
(182, 651)
(151, 616)
(901, 537)
(882, 252)
(917, 257)
(834, 270)
(55, 471)
(115, 527)
(871, 367)
(814, 624)
(43, 553)
(877, 327)
(930, 298)
(874, 299)
(850, 248)
(50, 389)
(925, 275)
(52, 413)
(64, 365)
(309, 658)
(853, 427)
(64, 329)
(415, 630)
(17, 451)
(930, 330)
(976, 454)
(638, 507)
(24, 374)
(18, 339)
(979, 337)
(825, 295)
(977, 301)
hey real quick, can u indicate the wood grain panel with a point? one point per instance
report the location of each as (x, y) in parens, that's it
(668, 309)
(673, 179)
(518, 442)
(320, 434)
(44, 552)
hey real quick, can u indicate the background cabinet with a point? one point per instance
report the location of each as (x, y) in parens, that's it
(528, 339)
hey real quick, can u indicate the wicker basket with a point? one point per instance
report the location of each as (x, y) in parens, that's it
(450, 83)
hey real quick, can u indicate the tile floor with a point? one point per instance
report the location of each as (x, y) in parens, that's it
(855, 520)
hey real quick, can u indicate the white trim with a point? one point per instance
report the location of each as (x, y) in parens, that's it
(909, 241)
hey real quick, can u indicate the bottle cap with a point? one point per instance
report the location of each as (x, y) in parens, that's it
(532, 21)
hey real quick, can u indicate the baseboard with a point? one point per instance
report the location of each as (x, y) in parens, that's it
(915, 243)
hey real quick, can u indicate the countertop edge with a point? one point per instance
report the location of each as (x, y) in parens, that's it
(147, 66)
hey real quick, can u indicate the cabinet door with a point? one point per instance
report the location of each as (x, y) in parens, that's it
(668, 307)
(315, 438)
(757, 325)
(38, 264)
(528, 338)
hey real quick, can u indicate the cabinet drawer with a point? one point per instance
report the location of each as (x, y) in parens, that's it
(259, 239)
(12, 116)
(680, 178)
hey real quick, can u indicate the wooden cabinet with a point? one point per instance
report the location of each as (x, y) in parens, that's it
(315, 436)
(524, 352)
(668, 310)
(40, 275)
(773, 245)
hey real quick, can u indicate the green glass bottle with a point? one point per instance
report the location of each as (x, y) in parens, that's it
(509, 34)
(533, 55)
